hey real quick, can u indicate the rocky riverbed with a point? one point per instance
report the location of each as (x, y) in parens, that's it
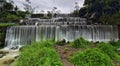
(8, 57)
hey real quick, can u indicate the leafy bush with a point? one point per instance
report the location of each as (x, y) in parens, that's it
(91, 57)
(39, 54)
(109, 50)
(80, 43)
(115, 43)
(12, 17)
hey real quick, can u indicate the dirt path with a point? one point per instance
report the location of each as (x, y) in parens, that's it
(65, 53)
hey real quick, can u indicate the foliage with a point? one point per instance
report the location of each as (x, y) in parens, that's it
(12, 17)
(8, 15)
(22, 14)
(80, 43)
(75, 13)
(8, 6)
(39, 54)
(82, 12)
(91, 57)
(49, 14)
(106, 11)
(113, 19)
(109, 50)
(115, 43)
(7, 24)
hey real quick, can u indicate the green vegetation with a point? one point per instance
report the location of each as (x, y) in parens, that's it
(109, 50)
(9, 13)
(102, 54)
(7, 24)
(106, 11)
(80, 43)
(44, 54)
(39, 54)
(91, 57)
(115, 43)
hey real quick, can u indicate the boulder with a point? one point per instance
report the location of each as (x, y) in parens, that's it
(14, 48)
(8, 61)
(63, 40)
(1, 55)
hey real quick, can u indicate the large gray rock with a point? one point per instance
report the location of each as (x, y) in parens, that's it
(8, 61)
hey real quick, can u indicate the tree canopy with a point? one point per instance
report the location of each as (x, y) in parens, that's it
(98, 9)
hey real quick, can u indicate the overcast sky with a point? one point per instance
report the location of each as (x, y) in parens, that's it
(66, 6)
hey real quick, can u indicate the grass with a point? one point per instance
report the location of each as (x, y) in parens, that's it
(109, 50)
(44, 54)
(7, 24)
(80, 43)
(39, 54)
(105, 49)
(91, 57)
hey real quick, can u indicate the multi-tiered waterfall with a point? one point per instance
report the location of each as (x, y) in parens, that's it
(21, 35)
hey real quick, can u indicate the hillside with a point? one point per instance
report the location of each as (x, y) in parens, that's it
(105, 11)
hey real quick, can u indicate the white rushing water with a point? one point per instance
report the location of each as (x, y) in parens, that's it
(21, 35)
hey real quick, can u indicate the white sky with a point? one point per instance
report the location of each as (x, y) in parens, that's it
(66, 6)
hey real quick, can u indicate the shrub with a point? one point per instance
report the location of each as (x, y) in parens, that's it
(109, 50)
(12, 17)
(91, 57)
(39, 54)
(80, 43)
(115, 43)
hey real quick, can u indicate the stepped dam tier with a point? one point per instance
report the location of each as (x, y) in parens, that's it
(22, 35)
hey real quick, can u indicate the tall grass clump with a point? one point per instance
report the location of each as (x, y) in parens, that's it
(80, 43)
(109, 50)
(91, 57)
(39, 54)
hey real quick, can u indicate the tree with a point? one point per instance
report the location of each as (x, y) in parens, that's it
(49, 14)
(16, 8)
(76, 11)
(8, 7)
(28, 7)
(100, 9)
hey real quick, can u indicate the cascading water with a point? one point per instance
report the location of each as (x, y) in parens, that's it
(21, 35)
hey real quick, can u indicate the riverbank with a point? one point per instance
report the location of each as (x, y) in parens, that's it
(8, 57)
